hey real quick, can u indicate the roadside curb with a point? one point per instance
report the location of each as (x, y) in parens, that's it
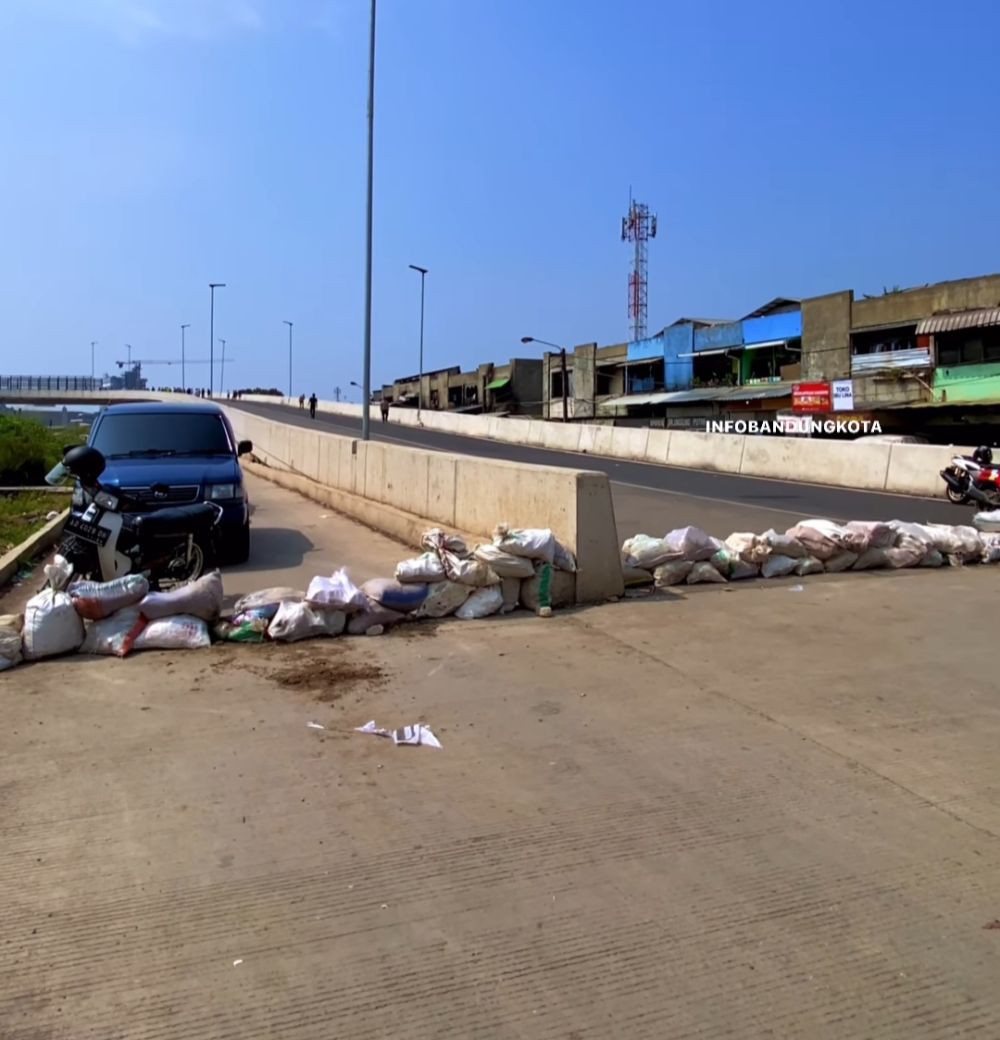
(31, 547)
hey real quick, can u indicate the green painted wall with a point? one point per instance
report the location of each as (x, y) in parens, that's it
(965, 384)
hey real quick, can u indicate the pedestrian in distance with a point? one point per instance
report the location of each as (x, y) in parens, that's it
(385, 410)
(302, 400)
(312, 406)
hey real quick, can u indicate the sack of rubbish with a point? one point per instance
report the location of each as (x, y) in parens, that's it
(438, 542)
(51, 626)
(114, 636)
(871, 559)
(816, 543)
(201, 598)
(991, 553)
(505, 564)
(10, 640)
(932, 558)
(905, 533)
(635, 577)
(563, 559)
(844, 538)
(426, 567)
(647, 553)
(444, 598)
(961, 541)
(809, 565)
(673, 573)
(877, 534)
(373, 617)
(268, 598)
(244, 628)
(704, 572)
(732, 566)
(784, 545)
(295, 621)
(987, 521)
(510, 589)
(692, 543)
(561, 592)
(841, 561)
(908, 556)
(482, 603)
(469, 570)
(777, 566)
(403, 599)
(533, 542)
(58, 573)
(180, 632)
(337, 592)
(95, 600)
(750, 548)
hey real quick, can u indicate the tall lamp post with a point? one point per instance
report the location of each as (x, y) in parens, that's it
(367, 379)
(183, 375)
(562, 356)
(212, 286)
(422, 271)
(222, 373)
(289, 324)
(93, 343)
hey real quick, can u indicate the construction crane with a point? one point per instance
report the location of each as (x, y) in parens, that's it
(134, 366)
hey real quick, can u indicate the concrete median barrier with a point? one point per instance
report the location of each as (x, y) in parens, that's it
(420, 488)
(817, 462)
(658, 446)
(915, 469)
(722, 452)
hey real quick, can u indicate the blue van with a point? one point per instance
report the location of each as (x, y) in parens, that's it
(166, 454)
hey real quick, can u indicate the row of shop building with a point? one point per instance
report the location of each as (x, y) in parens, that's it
(924, 360)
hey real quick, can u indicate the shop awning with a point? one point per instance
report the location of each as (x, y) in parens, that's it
(637, 399)
(768, 343)
(708, 353)
(954, 322)
(498, 384)
(759, 392)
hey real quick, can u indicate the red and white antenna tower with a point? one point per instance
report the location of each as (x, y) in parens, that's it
(638, 227)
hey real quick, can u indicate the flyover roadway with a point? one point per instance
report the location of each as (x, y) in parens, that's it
(652, 499)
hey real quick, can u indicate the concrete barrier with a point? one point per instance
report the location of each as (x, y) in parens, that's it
(816, 461)
(470, 494)
(717, 451)
(915, 469)
(658, 446)
(629, 442)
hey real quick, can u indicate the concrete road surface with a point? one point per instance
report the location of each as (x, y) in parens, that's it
(740, 813)
(654, 499)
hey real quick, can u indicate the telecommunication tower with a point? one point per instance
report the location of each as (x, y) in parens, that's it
(638, 227)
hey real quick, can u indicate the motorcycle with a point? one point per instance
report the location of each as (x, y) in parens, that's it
(111, 538)
(973, 479)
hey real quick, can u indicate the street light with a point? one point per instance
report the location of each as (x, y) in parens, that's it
(562, 355)
(222, 374)
(422, 271)
(366, 390)
(93, 343)
(212, 286)
(183, 376)
(289, 324)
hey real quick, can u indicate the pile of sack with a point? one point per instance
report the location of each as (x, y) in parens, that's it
(691, 556)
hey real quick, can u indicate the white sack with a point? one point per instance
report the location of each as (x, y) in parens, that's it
(51, 625)
(201, 598)
(295, 621)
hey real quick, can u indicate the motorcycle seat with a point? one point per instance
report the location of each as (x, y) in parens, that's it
(192, 519)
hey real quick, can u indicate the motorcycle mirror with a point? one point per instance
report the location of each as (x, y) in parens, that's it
(244, 448)
(57, 474)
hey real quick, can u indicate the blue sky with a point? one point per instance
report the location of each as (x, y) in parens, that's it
(150, 146)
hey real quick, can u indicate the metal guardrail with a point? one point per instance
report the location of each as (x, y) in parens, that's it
(49, 383)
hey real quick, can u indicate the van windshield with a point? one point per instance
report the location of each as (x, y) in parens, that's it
(154, 434)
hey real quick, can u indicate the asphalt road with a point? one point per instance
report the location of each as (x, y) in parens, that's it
(653, 499)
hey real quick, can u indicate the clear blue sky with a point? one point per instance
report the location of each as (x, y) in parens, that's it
(149, 146)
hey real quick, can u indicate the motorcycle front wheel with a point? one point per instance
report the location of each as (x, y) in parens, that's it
(957, 498)
(183, 569)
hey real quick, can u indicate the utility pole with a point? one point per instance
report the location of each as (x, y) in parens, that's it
(212, 286)
(183, 376)
(93, 343)
(422, 271)
(289, 324)
(222, 374)
(367, 378)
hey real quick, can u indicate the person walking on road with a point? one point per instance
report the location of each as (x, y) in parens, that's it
(312, 406)
(385, 410)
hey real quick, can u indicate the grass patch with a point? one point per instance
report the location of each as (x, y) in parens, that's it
(24, 513)
(29, 450)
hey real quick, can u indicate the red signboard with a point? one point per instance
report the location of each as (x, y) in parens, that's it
(811, 397)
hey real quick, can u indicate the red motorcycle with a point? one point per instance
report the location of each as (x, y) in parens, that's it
(973, 479)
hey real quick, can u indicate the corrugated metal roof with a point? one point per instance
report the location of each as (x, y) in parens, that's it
(759, 392)
(965, 320)
(693, 396)
(919, 357)
(636, 399)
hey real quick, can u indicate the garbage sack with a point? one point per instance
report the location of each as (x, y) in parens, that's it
(482, 603)
(534, 543)
(635, 577)
(201, 598)
(748, 546)
(990, 553)
(961, 541)
(426, 567)
(646, 552)
(95, 600)
(437, 541)
(114, 636)
(777, 566)
(673, 573)
(908, 556)
(403, 599)
(337, 592)
(987, 521)
(10, 640)
(840, 561)
(809, 565)
(244, 628)
(510, 588)
(505, 564)
(562, 589)
(845, 538)
(469, 570)
(180, 632)
(267, 598)
(563, 559)
(692, 543)
(785, 545)
(732, 566)
(878, 535)
(58, 572)
(51, 626)
(295, 621)
(932, 558)
(373, 616)
(816, 543)
(871, 559)
(444, 598)
(704, 572)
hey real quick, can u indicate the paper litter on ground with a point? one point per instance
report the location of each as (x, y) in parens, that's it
(418, 733)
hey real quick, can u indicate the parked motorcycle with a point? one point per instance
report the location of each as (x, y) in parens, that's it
(973, 479)
(109, 539)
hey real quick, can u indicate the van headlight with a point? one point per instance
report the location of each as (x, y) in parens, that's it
(217, 492)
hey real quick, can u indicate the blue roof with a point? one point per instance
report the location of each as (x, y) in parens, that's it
(159, 407)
